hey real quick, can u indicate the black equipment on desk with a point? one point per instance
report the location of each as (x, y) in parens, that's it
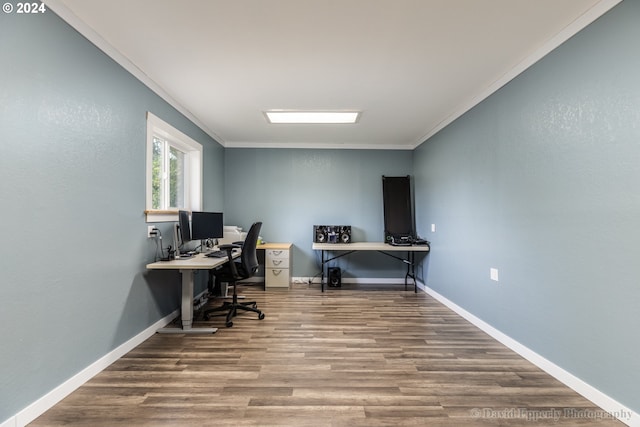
(400, 240)
(181, 233)
(408, 241)
(206, 225)
(202, 226)
(216, 254)
(332, 234)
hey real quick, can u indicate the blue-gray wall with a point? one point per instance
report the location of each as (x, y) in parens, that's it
(541, 181)
(72, 188)
(290, 190)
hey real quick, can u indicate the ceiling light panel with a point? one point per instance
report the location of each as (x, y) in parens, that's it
(312, 117)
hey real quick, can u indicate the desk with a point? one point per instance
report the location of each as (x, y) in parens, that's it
(188, 267)
(384, 248)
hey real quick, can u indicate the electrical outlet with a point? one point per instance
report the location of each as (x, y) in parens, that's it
(493, 274)
(150, 228)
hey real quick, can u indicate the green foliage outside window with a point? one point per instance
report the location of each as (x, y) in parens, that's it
(156, 175)
(176, 173)
(175, 187)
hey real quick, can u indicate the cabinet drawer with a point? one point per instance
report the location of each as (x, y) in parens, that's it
(277, 278)
(277, 262)
(276, 254)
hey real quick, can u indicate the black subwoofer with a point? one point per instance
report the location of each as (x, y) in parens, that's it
(334, 278)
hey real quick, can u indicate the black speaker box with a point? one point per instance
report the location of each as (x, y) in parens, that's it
(332, 234)
(320, 234)
(334, 278)
(345, 234)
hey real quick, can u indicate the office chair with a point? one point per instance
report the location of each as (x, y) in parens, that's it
(234, 271)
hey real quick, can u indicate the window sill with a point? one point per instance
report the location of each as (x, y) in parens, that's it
(161, 216)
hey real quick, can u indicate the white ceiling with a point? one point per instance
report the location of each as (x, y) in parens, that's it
(410, 66)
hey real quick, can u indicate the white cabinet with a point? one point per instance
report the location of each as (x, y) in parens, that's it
(277, 260)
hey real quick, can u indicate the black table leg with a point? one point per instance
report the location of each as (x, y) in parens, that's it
(322, 275)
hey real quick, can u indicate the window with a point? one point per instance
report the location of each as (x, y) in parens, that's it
(174, 171)
(168, 183)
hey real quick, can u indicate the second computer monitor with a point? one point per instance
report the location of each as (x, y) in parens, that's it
(206, 225)
(185, 228)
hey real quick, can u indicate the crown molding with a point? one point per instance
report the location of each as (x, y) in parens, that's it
(60, 9)
(569, 31)
(599, 9)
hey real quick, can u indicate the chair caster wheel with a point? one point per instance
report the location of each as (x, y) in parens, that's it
(261, 316)
(229, 324)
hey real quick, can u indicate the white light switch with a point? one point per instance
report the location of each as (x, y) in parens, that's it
(433, 228)
(493, 273)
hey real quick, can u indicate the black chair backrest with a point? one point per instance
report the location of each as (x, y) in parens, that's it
(249, 256)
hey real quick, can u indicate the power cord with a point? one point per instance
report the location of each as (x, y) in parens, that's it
(158, 235)
(159, 249)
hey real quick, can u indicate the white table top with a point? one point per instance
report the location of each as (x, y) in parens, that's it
(196, 262)
(281, 246)
(368, 246)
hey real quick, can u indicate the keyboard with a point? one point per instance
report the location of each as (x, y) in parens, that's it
(216, 254)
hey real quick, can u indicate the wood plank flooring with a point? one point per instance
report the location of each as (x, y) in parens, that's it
(366, 356)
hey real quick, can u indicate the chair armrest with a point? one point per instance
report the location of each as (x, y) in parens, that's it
(229, 249)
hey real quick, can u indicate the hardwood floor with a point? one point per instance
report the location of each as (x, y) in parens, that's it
(373, 356)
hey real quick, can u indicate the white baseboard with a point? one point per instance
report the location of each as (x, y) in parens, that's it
(47, 401)
(11, 422)
(605, 402)
(358, 280)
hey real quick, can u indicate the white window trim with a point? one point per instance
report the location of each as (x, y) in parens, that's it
(193, 166)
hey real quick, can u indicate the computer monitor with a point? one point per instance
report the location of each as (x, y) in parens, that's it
(206, 225)
(185, 228)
